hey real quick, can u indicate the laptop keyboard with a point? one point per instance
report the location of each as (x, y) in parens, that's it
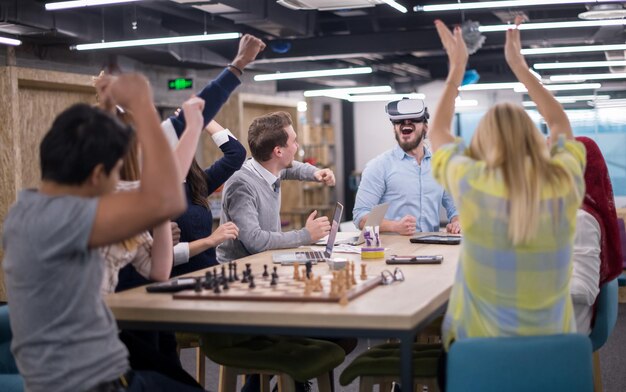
(311, 255)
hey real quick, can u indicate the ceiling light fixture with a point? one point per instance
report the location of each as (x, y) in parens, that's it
(10, 41)
(465, 103)
(500, 4)
(63, 5)
(395, 5)
(572, 49)
(553, 25)
(313, 74)
(562, 87)
(573, 98)
(385, 97)
(610, 103)
(157, 41)
(581, 64)
(582, 78)
(350, 90)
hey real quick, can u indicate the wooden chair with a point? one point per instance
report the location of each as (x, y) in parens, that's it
(192, 340)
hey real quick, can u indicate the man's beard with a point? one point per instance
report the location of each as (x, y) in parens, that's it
(410, 146)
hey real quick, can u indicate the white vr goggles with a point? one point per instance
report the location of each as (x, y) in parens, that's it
(407, 109)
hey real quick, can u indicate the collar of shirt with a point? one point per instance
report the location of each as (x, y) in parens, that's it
(263, 172)
(400, 154)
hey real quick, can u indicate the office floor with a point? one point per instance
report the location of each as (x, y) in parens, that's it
(612, 359)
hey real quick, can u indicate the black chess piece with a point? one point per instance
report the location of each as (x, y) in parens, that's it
(208, 280)
(230, 273)
(265, 273)
(274, 277)
(244, 279)
(309, 268)
(248, 269)
(225, 285)
(216, 287)
(235, 272)
(198, 287)
(251, 285)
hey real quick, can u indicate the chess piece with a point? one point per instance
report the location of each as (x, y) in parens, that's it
(307, 288)
(236, 277)
(296, 271)
(251, 285)
(244, 279)
(274, 278)
(216, 287)
(352, 277)
(248, 269)
(309, 268)
(208, 280)
(343, 301)
(318, 285)
(265, 273)
(198, 287)
(363, 273)
(223, 275)
(231, 279)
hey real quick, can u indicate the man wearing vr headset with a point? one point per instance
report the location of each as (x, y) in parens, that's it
(402, 177)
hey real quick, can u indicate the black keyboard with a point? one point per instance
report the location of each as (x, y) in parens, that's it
(312, 255)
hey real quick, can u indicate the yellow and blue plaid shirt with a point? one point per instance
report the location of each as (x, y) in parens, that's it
(501, 289)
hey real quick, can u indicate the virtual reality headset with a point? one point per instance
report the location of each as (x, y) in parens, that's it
(407, 109)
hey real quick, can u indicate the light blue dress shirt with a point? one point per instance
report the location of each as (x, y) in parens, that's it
(396, 178)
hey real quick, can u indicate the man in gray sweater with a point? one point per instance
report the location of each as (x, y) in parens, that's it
(251, 197)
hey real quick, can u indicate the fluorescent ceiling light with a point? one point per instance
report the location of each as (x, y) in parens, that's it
(313, 74)
(385, 97)
(311, 58)
(581, 78)
(573, 49)
(553, 25)
(581, 64)
(573, 98)
(501, 4)
(464, 103)
(395, 5)
(157, 41)
(63, 5)
(10, 41)
(351, 90)
(562, 87)
(611, 103)
(489, 86)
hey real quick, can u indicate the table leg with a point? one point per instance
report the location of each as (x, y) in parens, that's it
(406, 362)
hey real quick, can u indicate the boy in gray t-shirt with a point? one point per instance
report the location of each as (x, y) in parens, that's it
(64, 336)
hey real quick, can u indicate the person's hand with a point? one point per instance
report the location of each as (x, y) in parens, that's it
(227, 231)
(318, 228)
(454, 45)
(175, 233)
(325, 176)
(193, 112)
(213, 127)
(406, 225)
(249, 47)
(454, 227)
(102, 83)
(130, 91)
(513, 46)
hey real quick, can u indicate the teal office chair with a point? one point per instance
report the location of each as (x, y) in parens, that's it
(10, 379)
(520, 364)
(606, 317)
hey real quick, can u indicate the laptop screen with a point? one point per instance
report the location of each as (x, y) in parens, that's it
(334, 227)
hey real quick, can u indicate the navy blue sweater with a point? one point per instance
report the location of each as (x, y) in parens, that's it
(197, 221)
(215, 94)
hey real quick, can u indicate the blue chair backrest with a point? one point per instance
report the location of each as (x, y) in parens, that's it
(606, 314)
(516, 364)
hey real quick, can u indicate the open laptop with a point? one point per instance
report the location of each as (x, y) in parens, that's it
(374, 218)
(313, 256)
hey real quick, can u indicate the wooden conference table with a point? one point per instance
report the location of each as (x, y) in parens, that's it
(399, 310)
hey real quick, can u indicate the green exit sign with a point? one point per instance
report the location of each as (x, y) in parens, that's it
(180, 84)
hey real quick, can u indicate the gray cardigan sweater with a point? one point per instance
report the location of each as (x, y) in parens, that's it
(250, 203)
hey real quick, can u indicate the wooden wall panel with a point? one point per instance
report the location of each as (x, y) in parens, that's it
(38, 109)
(29, 101)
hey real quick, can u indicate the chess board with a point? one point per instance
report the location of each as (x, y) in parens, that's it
(286, 290)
